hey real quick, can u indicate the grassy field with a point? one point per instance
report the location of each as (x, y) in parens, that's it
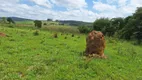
(25, 56)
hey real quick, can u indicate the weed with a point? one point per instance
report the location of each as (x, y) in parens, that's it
(55, 35)
(65, 37)
(36, 33)
(72, 35)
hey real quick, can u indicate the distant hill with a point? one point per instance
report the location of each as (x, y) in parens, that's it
(67, 22)
(19, 19)
(76, 23)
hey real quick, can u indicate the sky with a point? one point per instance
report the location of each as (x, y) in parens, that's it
(80, 10)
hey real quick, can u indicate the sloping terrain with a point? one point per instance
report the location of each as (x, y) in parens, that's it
(29, 56)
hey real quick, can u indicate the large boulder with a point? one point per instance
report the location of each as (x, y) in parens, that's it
(95, 44)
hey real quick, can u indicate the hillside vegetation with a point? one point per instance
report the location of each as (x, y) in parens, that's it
(49, 50)
(26, 56)
(129, 28)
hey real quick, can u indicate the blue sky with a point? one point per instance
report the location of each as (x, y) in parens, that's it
(82, 10)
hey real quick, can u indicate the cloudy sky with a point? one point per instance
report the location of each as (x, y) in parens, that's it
(82, 10)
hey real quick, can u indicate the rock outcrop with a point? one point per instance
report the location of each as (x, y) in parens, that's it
(95, 44)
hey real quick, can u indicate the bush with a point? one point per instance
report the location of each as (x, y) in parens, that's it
(36, 33)
(84, 29)
(65, 37)
(38, 23)
(10, 26)
(101, 23)
(55, 35)
(45, 24)
(72, 35)
(10, 20)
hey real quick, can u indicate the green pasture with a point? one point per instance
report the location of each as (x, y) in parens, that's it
(26, 56)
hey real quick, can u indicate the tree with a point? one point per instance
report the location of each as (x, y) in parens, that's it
(118, 23)
(101, 23)
(128, 29)
(38, 23)
(57, 20)
(138, 25)
(104, 25)
(127, 19)
(138, 34)
(49, 20)
(125, 28)
(133, 26)
(10, 20)
(4, 20)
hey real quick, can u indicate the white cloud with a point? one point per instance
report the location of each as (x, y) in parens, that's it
(136, 3)
(122, 2)
(111, 1)
(70, 4)
(103, 7)
(122, 8)
(37, 12)
(119, 2)
(76, 10)
(82, 15)
(45, 3)
(8, 1)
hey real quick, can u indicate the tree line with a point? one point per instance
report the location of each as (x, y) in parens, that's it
(7, 20)
(125, 28)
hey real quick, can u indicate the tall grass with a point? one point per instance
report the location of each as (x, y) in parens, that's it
(29, 57)
(24, 56)
(63, 29)
(49, 27)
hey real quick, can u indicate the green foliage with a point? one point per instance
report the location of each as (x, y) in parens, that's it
(60, 28)
(126, 28)
(84, 29)
(3, 20)
(36, 32)
(45, 24)
(11, 26)
(138, 34)
(43, 57)
(133, 27)
(126, 20)
(108, 27)
(101, 23)
(118, 23)
(75, 23)
(38, 23)
(49, 20)
(10, 20)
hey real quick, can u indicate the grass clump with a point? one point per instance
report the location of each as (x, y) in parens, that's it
(35, 33)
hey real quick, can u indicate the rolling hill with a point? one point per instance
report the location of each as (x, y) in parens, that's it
(19, 19)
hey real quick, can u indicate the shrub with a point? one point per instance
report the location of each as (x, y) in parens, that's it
(65, 38)
(61, 33)
(10, 26)
(38, 23)
(72, 35)
(36, 33)
(45, 24)
(84, 29)
(10, 20)
(55, 35)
